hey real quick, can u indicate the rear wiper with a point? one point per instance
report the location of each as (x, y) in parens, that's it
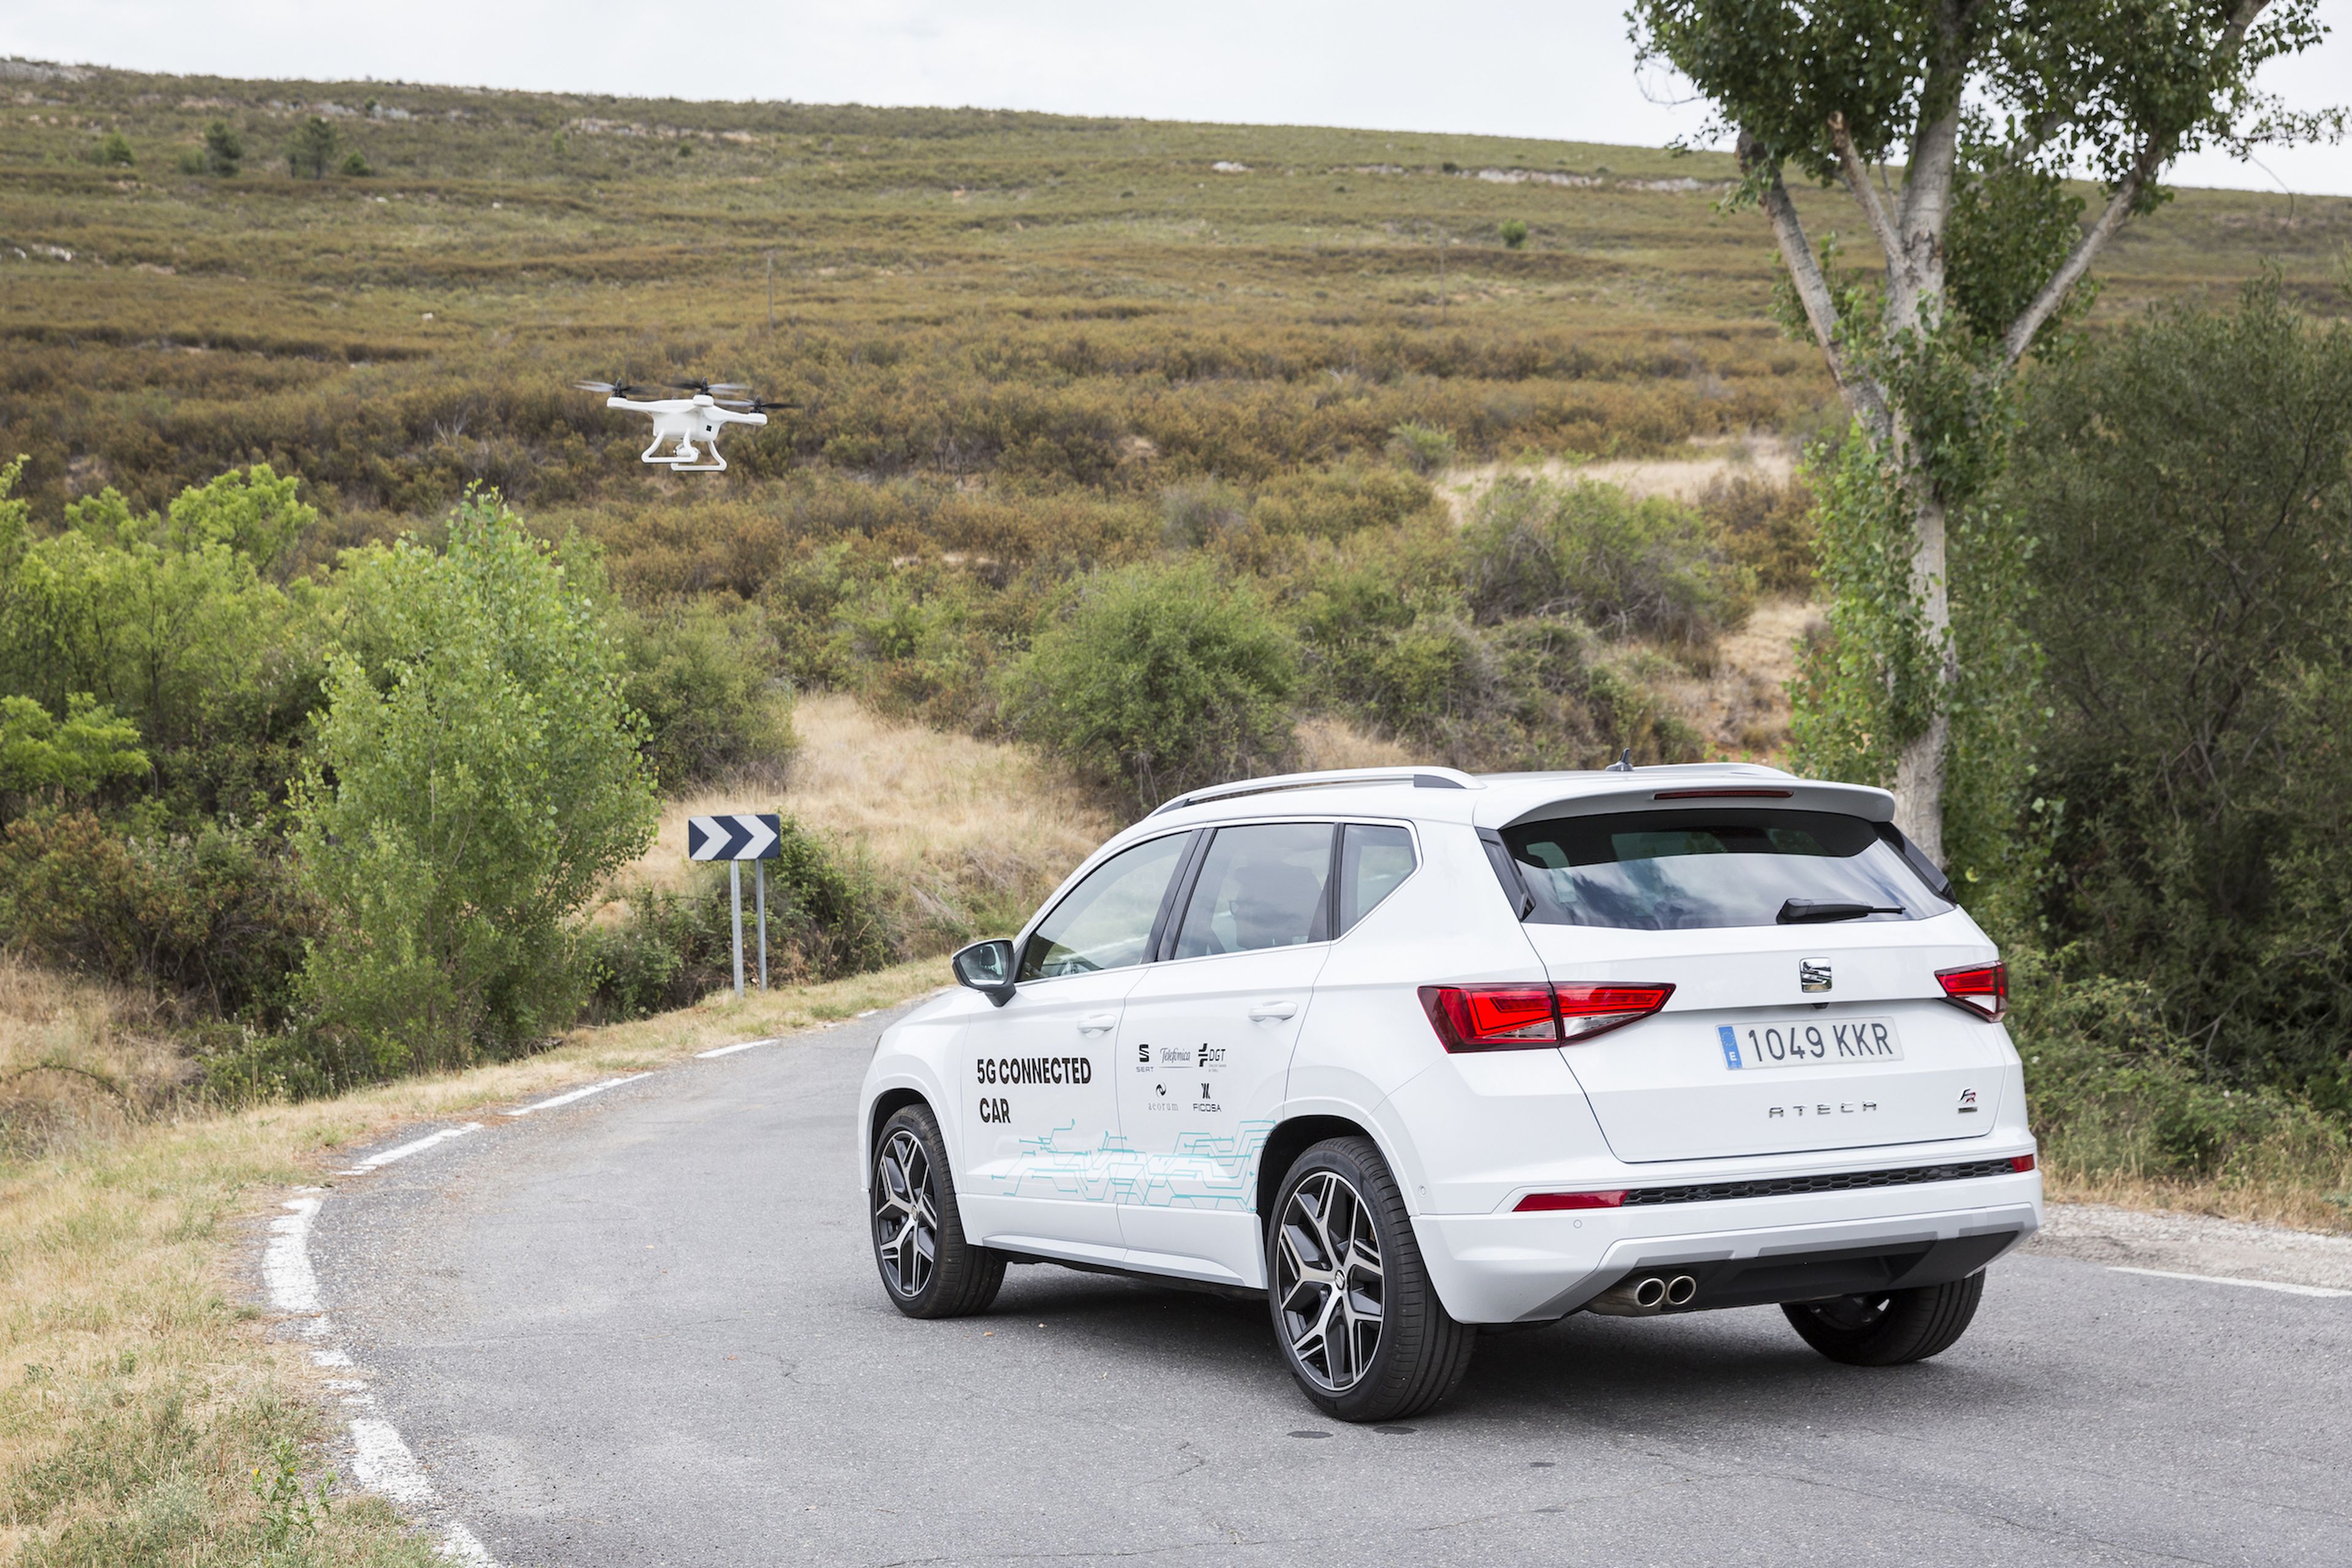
(1799, 910)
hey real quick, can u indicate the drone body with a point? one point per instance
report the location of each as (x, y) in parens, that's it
(685, 429)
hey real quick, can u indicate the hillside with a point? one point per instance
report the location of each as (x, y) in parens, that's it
(1002, 306)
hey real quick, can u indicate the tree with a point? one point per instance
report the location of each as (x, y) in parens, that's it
(114, 150)
(311, 149)
(223, 149)
(1987, 105)
(474, 781)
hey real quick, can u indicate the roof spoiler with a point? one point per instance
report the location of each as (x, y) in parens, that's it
(1419, 778)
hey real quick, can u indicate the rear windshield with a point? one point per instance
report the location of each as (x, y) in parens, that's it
(1692, 871)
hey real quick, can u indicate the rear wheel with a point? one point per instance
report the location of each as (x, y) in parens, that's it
(1359, 1321)
(927, 1266)
(1890, 1328)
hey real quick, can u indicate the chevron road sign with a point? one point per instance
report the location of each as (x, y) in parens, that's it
(738, 835)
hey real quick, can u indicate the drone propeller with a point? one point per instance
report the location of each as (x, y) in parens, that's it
(707, 388)
(753, 405)
(613, 388)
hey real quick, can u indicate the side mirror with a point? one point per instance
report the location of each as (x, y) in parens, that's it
(987, 968)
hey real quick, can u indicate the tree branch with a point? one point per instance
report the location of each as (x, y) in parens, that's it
(1865, 195)
(1861, 391)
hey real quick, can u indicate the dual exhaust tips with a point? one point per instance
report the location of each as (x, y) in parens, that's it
(1644, 1295)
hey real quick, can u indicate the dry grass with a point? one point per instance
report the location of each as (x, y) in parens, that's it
(1739, 701)
(969, 833)
(136, 1394)
(1324, 741)
(2318, 1199)
(1683, 477)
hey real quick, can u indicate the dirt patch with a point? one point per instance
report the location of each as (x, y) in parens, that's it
(1682, 478)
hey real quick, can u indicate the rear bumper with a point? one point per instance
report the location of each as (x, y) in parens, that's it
(1533, 1268)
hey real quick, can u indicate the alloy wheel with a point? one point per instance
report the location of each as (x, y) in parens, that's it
(1328, 1278)
(905, 1214)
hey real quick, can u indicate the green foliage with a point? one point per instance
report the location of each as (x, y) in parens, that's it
(212, 916)
(1650, 568)
(827, 917)
(1766, 528)
(1424, 448)
(224, 153)
(474, 780)
(2194, 592)
(113, 151)
(91, 748)
(311, 149)
(707, 707)
(355, 164)
(1513, 232)
(1158, 680)
(291, 1509)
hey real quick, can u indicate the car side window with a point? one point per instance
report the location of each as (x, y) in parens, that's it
(1260, 886)
(1373, 860)
(1106, 921)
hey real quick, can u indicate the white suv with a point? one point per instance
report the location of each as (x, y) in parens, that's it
(1413, 1052)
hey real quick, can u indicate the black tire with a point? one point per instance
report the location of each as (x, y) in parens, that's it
(1891, 1329)
(1413, 1354)
(928, 1267)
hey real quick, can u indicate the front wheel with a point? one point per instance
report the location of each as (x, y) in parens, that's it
(927, 1266)
(1359, 1321)
(1891, 1327)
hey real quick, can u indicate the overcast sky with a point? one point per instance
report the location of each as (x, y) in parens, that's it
(1513, 67)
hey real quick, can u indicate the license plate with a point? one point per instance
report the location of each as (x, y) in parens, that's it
(1851, 1041)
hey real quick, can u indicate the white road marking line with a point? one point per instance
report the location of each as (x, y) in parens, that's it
(730, 1050)
(869, 1013)
(2232, 1279)
(577, 1094)
(286, 1270)
(377, 1162)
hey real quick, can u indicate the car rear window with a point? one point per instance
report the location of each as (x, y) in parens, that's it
(1695, 870)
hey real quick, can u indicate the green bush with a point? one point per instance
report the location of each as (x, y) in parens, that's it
(827, 917)
(1651, 568)
(1424, 448)
(311, 149)
(708, 708)
(213, 917)
(1513, 232)
(224, 153)
(355, 164)
(476, 779)
(1158, 680)
(113, 151)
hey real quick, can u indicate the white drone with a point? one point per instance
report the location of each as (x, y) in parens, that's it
(679, 422)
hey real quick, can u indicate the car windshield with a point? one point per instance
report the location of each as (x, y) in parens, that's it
(1693, 871)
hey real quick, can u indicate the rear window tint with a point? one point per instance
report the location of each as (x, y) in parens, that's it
(1693, 871)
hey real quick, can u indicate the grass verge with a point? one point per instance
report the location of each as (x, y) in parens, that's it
(144, 1414)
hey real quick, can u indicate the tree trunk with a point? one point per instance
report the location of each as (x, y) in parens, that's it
(1919, 771)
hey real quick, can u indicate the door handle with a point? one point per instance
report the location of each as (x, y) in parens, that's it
(1267, 1012)
(1098, 1024)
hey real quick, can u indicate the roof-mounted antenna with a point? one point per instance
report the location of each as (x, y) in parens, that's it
(1623, 764)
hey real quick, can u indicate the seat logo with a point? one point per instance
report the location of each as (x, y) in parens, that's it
(1814, 973)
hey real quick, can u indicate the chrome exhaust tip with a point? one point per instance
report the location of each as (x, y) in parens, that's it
(1680, 1289)
(1630, 1297)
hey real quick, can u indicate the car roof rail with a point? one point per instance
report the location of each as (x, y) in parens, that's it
(1418, 777)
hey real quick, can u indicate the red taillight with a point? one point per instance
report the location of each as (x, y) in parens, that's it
(1523, 1017)
(1491, 1018)
(1981, 988)
(1540, 1203)
(2021, 1162)
(1589, 1010)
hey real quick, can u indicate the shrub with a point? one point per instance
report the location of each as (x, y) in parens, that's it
(1424, 448)
(1766, 528)
(224, 153)
(826, 919)
(113, 151)
(1514, 233)
(213, 917)
(88, 750)
(708, 708)
(1199, 513)
(1650, 567)
(476, 779)
(1158, 680)
(355, 164)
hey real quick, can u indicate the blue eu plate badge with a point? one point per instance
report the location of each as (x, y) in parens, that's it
(1730, 1047)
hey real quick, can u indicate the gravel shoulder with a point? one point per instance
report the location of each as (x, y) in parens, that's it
(2194, 1244)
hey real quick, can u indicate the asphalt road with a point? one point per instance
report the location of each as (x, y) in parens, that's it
(645, 1330)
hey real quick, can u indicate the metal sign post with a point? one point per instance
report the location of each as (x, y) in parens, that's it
(756, 836)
